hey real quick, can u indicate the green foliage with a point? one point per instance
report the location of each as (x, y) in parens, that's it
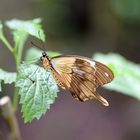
(127, 9)
(7, 77)
(21, 30)
(37, 96)
(31, 27)
(127, 74)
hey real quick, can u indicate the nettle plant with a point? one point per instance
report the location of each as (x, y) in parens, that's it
(37, 97)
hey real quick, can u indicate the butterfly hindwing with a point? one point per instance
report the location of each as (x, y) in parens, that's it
(103, 74)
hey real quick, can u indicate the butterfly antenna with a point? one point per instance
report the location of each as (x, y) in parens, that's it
(36, 46)
(39, 34)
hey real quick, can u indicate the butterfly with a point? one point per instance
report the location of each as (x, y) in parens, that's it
(80, 75)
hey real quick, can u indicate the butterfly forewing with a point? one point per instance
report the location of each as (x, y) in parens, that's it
(81, 76)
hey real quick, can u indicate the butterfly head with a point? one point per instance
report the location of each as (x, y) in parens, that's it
(45, 60)
(44, 56)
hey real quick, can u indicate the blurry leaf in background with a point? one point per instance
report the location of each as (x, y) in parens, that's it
(1, 29)
(7, 77)
(36, 97)
(128, 9)
(32, 27)
(34, 53)
(126, 74)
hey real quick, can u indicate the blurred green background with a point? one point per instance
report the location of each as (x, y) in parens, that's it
(81, 27)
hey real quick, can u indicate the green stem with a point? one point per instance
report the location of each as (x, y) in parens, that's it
(16, 59)
(15, 96)
(12, 50)
(7, 44)
(15, 99)
(18, 50)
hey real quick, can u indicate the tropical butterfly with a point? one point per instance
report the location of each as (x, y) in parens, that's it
(80, 75)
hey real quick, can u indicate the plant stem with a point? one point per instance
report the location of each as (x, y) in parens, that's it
(8, 114)
(18, 50)
(15, 99)
(7, 44)
(16, 59)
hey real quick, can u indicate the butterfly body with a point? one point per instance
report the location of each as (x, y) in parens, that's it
(80, 75)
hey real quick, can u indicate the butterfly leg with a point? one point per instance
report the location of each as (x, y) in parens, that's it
(32, 75)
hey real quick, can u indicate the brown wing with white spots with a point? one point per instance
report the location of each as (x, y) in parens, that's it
(103, 74)
(79, 75)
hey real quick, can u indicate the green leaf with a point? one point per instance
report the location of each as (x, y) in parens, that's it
(32, 27)
(21, 30)
(20, 38)
(127, 74)
(7, 77)
(34, 53)
(36, 97)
